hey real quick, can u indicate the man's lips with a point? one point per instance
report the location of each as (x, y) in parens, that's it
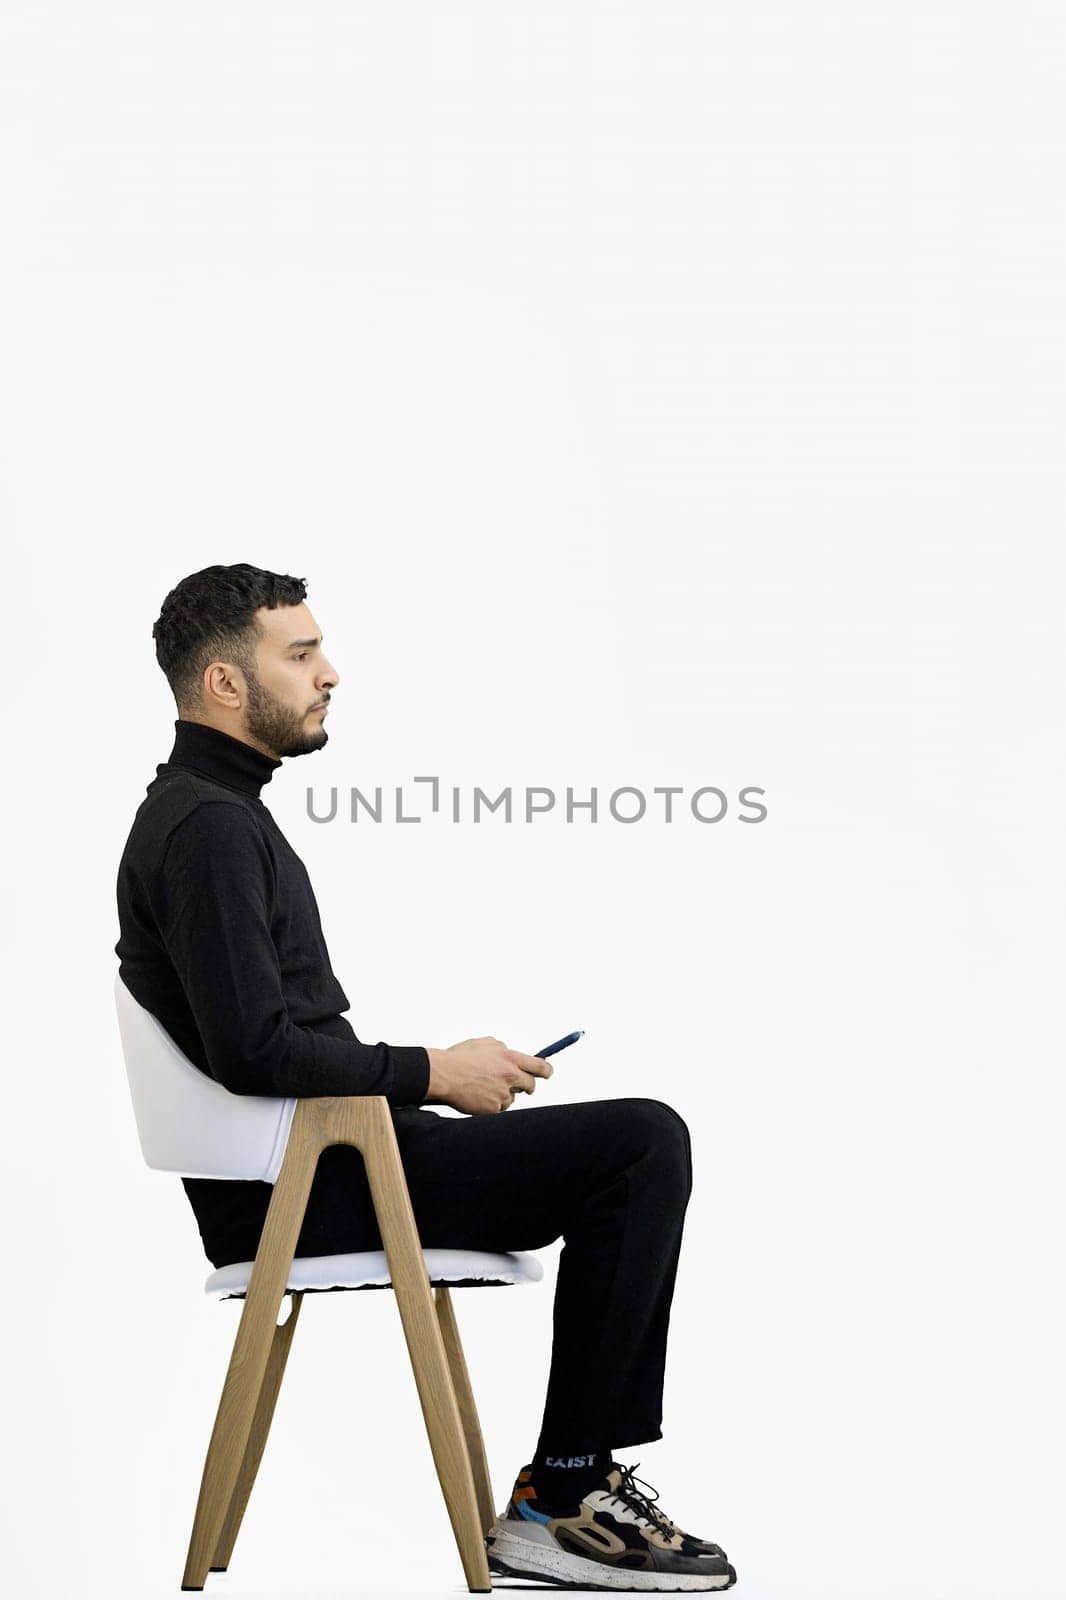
(323, 705)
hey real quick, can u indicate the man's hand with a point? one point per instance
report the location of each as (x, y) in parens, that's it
(482, 1076)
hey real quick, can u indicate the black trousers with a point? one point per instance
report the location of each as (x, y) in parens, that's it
(611, 1178)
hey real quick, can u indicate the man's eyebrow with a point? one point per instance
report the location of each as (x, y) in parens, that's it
(309, 643)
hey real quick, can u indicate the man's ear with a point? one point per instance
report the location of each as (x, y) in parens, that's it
(224, 685)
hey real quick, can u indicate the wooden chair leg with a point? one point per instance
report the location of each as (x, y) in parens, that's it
(252, 1347)
(264, 1415)
(464, 1394)
(365, 1122)
(425, 1345)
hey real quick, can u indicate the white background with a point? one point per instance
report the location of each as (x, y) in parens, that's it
(650, 394)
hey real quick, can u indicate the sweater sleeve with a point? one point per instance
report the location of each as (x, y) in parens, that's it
(213, 903)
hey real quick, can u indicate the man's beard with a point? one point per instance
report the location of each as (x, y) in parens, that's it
(276, 726)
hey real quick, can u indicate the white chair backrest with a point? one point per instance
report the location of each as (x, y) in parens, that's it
(187, 1122)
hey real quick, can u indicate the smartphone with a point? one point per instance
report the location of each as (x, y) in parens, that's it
(560, 1044)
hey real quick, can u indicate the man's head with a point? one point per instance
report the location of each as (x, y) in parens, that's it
(242, 653)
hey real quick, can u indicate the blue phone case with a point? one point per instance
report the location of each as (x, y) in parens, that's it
(561, 1044)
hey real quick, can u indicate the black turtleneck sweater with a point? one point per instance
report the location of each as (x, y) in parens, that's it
(220, 938)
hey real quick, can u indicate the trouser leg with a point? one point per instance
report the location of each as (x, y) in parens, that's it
(617, 1272)
(611, 1178)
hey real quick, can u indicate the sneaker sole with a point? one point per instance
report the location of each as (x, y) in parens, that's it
(522, 1558)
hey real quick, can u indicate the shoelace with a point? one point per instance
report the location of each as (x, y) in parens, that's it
(644, 1505)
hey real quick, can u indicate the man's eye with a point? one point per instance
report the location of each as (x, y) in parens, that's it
(302, 655)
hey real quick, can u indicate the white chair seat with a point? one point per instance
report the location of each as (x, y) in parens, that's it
(369, 1269)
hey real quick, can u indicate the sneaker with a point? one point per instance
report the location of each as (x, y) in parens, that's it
(616, 1538)
(690, 1543)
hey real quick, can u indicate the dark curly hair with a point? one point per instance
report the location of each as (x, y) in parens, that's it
(210, 616)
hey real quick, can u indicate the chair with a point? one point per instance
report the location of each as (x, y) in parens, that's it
(190, 1124)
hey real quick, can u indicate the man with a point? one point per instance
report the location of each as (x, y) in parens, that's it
(220, 939)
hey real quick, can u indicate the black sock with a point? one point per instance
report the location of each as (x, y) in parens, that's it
(562, 1478)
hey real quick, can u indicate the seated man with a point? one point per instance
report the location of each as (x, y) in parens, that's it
(220, 939)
